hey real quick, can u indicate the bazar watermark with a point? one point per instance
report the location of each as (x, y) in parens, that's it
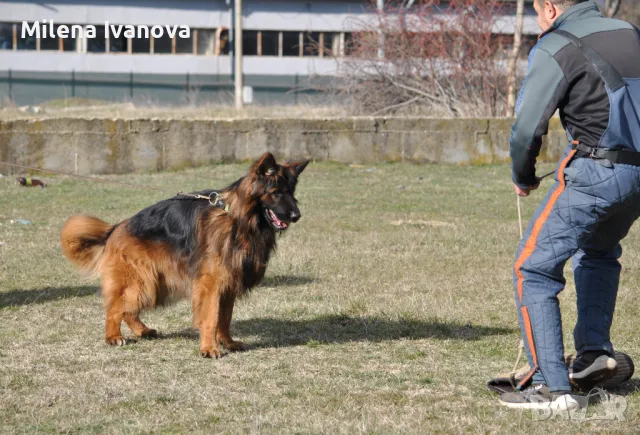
(48, 29)
(598, 405)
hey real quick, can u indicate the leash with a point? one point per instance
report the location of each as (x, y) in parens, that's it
(546, 175)
(213, 198)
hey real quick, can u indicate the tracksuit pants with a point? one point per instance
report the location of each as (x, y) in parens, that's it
(586, 213)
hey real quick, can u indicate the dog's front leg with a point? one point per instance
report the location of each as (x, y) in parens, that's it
(206, 306)
(224, 326)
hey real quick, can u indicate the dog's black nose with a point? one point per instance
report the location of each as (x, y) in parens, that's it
(295, 216)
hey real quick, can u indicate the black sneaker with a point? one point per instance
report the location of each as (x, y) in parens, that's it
(591, 369)
(539, 397)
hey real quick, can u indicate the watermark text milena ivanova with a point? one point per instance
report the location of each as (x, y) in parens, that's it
(48, 29)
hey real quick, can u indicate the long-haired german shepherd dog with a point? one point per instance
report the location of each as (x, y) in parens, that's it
(185, 247)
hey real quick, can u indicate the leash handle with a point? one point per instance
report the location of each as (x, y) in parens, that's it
(519, 216)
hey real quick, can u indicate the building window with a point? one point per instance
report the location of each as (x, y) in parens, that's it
(27, 43)
(141, 45)
(291, 44)
(250, 43)
(163, 44)
(222, 45)
(206, 41)
(270, 41)
(185, 45)
(51, 42)
(69, 43)
(311, 44)
(118, 45)
(6, 36)
(330, 44)
(348, 45)
(99, 43)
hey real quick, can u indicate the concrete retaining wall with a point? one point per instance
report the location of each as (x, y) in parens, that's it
(100, 146)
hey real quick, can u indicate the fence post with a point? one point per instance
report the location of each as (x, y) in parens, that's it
(10, 85)
(295, 92)
(73, 83)
(187, 87)
(131, 85)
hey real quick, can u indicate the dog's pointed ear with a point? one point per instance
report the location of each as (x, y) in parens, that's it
(265, 165)
(298, 167)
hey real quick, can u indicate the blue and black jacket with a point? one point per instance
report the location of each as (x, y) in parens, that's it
(561, 77)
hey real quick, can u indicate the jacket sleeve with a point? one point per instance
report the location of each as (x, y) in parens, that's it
(542, 91)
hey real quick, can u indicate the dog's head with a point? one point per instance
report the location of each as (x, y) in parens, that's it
(275, 186)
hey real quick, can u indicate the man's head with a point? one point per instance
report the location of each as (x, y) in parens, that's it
(549, 10)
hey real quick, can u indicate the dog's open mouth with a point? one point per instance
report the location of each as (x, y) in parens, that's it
(273, 219)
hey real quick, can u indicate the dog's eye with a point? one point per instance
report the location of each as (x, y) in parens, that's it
(277, 195)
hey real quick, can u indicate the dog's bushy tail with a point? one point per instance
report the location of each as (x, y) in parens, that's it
(83, 239)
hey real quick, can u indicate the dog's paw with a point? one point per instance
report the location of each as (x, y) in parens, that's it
(116, 341)
(210, 353)
(235, 346)
(149, 334)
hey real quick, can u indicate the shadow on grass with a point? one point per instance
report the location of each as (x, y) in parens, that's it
(274, 332)
(344, 329)
(631, 386)
(40, 296)
(287, 281)
(188, 333)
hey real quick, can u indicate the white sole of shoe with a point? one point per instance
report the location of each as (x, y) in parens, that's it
(596, 373)
(560, 403)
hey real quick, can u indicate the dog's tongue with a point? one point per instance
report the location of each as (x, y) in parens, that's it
(278, 223)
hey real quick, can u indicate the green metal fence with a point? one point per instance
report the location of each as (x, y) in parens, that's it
(31, 88)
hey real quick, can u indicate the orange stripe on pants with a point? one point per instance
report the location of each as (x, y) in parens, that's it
(527, 251)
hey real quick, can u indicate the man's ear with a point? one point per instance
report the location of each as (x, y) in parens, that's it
(551, 10)
(298, 167)
(265, 165)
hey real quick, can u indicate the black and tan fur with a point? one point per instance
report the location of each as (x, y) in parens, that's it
(184, 247)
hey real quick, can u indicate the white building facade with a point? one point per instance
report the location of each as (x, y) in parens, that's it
(286, 43)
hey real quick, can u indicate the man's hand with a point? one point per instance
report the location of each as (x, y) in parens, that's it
(525, 192)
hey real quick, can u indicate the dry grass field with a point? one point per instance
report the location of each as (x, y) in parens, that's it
(384, 310)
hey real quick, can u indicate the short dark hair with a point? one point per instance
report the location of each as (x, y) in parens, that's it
(562, 4)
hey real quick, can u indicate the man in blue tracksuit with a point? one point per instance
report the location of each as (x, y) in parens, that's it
(588, 67)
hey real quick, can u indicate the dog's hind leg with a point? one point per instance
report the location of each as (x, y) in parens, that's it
(123, 301)
(138, 328)
(114, 306)
(224, 323)
(136, 299)
(206, 306)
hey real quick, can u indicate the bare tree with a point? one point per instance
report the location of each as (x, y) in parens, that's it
(612, 7)
(513, 59)
(442, 59)
(630, 11)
